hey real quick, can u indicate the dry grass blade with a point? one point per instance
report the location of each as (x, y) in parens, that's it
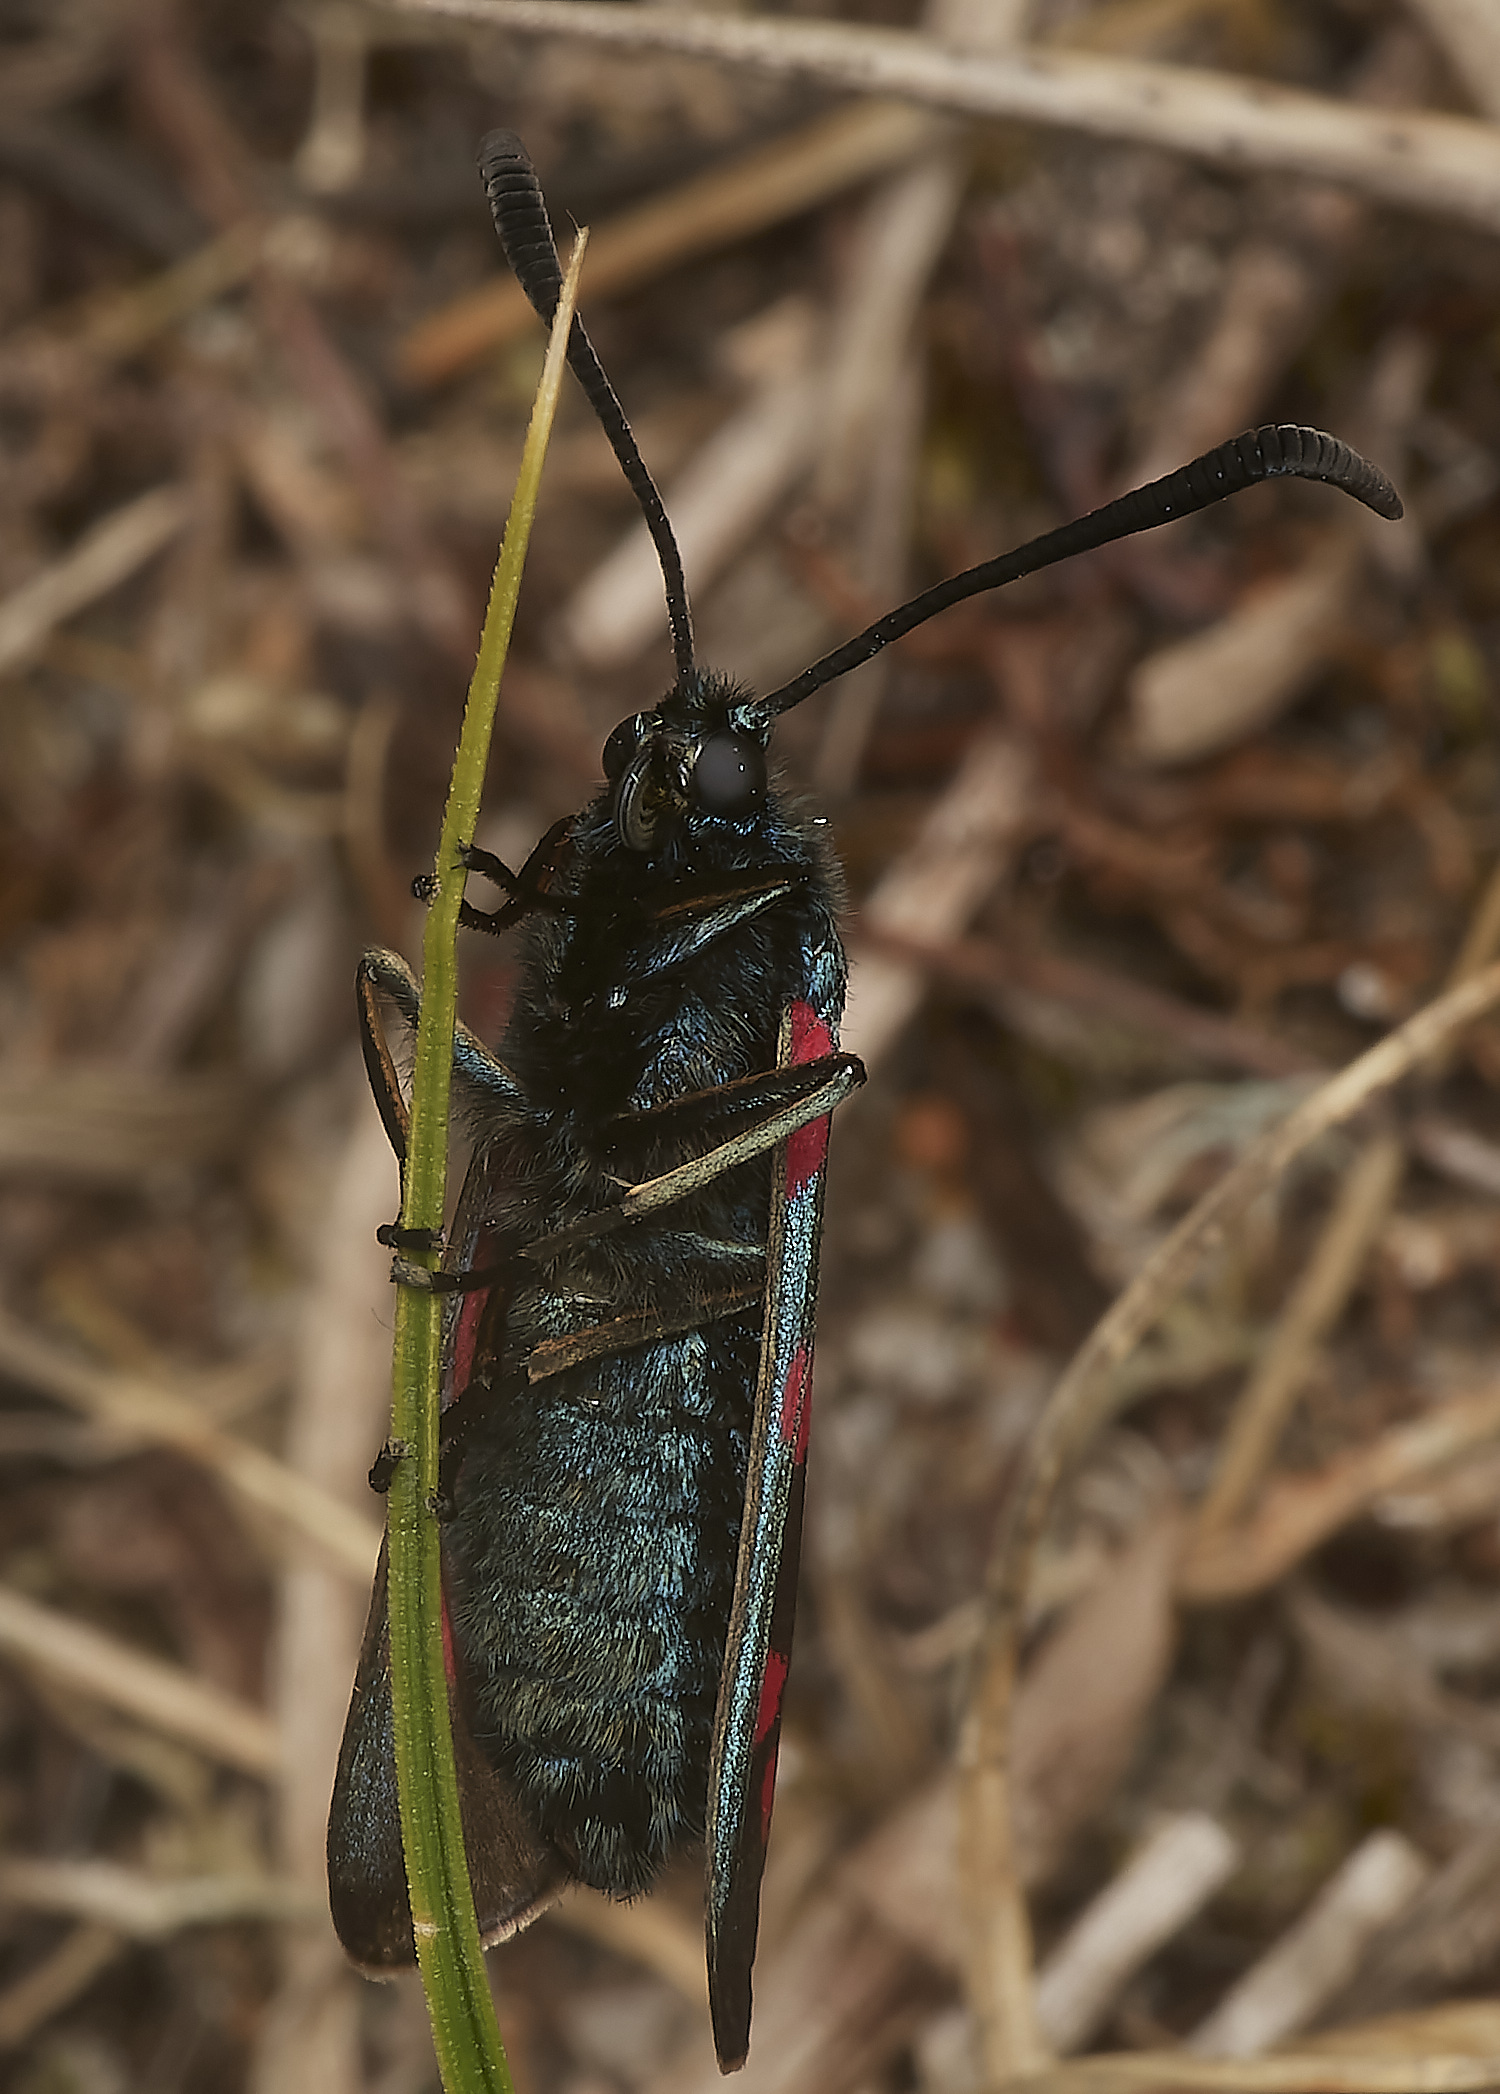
(1286, 1989)
(48, 1986)
(1296, 1513)
(1443, 1939)
(1157, 1892)
(1446, 165)
(106, 556)
(935, 886)
(756, 190)
(995, 970)
(1469, 32)
(1001, 1982)
(1158, 2071)
(869, 454)
(148, 1908)
(73, 348)
(122, 324)
(1082, 1704)
(106, 1126)
(1314, 1305)
(162, 1696)
(148, 1415)
(1208, 692)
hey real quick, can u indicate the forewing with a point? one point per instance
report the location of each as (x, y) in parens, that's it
(747, 1728)
(514, 1872)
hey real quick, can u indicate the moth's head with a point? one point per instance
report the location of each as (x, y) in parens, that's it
(702, 752)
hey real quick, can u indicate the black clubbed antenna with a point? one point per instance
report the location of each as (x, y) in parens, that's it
(526, 235)
(1260, 454)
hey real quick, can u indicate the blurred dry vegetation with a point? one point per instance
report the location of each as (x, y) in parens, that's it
(1138, 853)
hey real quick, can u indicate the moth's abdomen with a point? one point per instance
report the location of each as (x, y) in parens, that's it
(591, 1590)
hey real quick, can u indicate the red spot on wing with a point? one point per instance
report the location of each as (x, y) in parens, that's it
(810, 1035)
(772, 1686)
(796, 1404)
(767, 1719)
(805, 1152)
(808, 1147)
(466, 1336)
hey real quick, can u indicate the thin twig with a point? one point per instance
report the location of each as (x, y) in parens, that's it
(146, 1414)
(1312, 1309)
(1480, 943)
(1447, 165)
(149, 1908)
(1296, 1513)
(1283, 1991)
(161, 1695)
(1359, 1213)
(1153, 1897)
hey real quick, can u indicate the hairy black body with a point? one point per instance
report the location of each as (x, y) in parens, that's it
(596, 1510)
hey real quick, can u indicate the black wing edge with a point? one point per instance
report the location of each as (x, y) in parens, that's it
(516, 1874)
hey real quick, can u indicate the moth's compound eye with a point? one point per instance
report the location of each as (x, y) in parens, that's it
(639, 805)
(622, 745)
(729, 776)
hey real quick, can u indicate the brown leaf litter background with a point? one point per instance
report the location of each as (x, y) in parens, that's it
(1140, 855)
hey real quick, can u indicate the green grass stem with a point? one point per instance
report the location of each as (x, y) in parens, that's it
(470, 2055)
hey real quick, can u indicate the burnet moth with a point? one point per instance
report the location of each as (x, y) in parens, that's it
(632, 1272)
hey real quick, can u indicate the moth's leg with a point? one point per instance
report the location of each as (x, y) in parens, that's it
(385, 973)
(383, 1468)
(718, 1115)
(638, 1327)
(704, 915)
(406, 1273)
(828, 1081)
(613, 1335)
(527, 889)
